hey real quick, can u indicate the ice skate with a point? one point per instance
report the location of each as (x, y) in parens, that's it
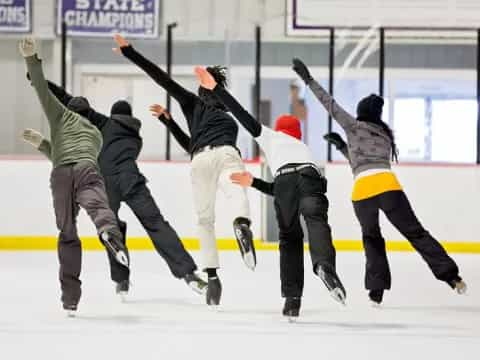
(122, 289)
(333, 284)
(116, 248)
(460, 287)
(291, 308)
(244, 238)
(214, 291)
(70, 310)
(376, 297)
(196, 283)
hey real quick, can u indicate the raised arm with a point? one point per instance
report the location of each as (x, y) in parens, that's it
(245, 179)
(207, 81)
(344, 118)
(53, 109)
(182, 138)
(96, 118)
(37, 140)
(179, 93)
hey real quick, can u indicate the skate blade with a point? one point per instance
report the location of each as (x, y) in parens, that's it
(249, 260)
(461, 288)
(214, 307)
(123, 295)
(122, 258)
(292, 319)
(375, 305)
(71, 313)
(338, 295)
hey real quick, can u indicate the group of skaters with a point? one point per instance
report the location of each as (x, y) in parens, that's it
(94, 159)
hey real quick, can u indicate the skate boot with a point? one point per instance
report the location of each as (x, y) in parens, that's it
(70, 309)
(241, 227)
(333, 284)
(196, 283)
(458, 285)
(122, 288)
(214, 291)
(376, 297)
(291, 308)
(115, 247)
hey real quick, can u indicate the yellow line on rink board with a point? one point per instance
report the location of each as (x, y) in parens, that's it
(144, 243)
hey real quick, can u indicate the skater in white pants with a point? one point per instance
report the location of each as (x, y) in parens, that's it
(214, 157)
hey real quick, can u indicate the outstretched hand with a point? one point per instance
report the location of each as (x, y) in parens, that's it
(301, 69)
(244, 178)
(335, 139)
(158, 110)
(121, 42)
(205, 79)
(27, 46)
(32, 137)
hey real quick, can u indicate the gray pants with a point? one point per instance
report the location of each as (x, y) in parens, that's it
(74, 186)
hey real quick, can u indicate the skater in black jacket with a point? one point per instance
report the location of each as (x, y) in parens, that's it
(122, 144)
(298, 189)
(214, 158)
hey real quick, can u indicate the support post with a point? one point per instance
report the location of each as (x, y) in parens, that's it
(170, 28)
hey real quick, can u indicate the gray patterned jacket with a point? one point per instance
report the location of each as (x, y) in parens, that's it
(369, 147)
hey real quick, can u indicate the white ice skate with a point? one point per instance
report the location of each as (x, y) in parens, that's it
(461, 287)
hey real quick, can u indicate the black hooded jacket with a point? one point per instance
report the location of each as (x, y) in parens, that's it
(208, 123)
(121, 137)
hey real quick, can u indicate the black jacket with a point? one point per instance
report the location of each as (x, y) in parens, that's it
(207, 124)
(121, 137)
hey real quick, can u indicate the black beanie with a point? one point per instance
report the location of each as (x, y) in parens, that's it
(121, 107)
(79, 104)
(370, 108)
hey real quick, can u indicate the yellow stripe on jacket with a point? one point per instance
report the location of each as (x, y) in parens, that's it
(372, 185)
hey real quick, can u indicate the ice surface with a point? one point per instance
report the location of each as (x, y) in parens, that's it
(421, 318)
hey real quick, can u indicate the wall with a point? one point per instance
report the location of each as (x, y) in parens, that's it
(27, 205)
(445, 198)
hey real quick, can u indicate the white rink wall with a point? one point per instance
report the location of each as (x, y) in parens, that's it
(28, 210)
(446, 198)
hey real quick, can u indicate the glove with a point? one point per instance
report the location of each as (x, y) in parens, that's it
(32, 137)
(301, 69)
(27, 47)
(336, 140)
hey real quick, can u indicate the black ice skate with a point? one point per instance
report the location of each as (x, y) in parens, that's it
(376, 297)
(122, 289)
(196, 283)
(115, 247)
(333, 284)
(214, 291)
(291, 308)
(241, 227)
(70, 309)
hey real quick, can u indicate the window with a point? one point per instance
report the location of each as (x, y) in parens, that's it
(454, 127)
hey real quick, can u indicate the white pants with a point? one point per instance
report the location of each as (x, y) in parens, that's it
(211, 170)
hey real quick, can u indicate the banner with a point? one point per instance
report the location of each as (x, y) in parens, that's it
(15, 16)
(102, 18)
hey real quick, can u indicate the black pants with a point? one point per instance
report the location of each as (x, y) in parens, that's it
(302, 193)
(398, 211)
(131, 188)
(74, 186)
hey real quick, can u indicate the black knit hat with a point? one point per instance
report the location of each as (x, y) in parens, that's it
(121, 107)
(79, 104)
(370, 108)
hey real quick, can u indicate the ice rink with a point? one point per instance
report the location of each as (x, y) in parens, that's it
(163, 319)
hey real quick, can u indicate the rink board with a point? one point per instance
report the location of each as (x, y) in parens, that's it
(144, 243)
